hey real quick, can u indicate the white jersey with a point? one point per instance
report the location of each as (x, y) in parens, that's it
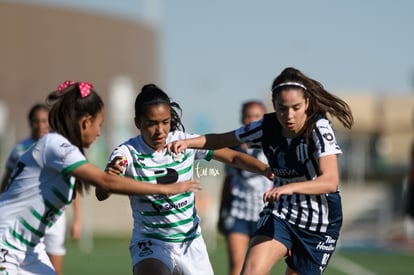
(166, 218)
(39, 191)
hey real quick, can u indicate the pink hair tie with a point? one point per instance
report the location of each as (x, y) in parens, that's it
(65, 84)
(84, 87)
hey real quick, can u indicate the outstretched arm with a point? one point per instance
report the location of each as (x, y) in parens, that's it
(122, 185)
(243, 161)
(209, 141)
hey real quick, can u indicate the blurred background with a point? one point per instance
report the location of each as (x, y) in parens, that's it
(210, 57)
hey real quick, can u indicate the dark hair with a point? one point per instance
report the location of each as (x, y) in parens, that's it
(150, 95)
(34, 109)
(68, 106)
(246, 105)
(321, 102)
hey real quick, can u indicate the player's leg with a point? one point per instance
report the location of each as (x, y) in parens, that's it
(54, 241)
(270, 244)
(237, 244)
(264, 252)
(151, 257)
(57, 262)
(151, 267)
(238, 237)
(290, 271)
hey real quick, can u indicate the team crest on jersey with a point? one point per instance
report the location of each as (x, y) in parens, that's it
(178, 157)
(328, 136)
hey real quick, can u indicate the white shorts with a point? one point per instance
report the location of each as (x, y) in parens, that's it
(32, 262)
(54, 238)
(187, 258)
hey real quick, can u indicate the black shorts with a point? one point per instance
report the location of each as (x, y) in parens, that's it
(309, 252)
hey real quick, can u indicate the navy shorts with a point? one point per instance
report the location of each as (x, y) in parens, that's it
(308, 252)
(235, 225)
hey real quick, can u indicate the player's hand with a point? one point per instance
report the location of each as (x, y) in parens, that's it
(184, 186)
(176, 146)
(275, 193)
(269, 174)
(116, 166)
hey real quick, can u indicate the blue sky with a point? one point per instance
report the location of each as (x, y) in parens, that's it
(217, 54)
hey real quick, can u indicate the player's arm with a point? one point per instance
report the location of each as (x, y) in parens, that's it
(91, 174)
(77, 218)
(225, 201)
(326, 182)
(243, 161)
(115, 167)
(209, 141)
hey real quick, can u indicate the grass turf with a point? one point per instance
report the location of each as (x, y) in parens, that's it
(110, 255)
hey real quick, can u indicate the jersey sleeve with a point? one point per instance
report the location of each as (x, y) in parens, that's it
(200, 153)
(251, 134)
(325, 140)
(59, 154)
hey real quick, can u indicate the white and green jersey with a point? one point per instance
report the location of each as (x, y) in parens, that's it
(166, 218)
(39, 191)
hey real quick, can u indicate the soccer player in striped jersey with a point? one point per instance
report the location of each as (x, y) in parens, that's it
(242, 196)
(303, 216)
(54, 239)
(49, 174)
(166, 236)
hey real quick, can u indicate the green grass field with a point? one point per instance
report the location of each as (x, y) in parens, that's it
(111, 256)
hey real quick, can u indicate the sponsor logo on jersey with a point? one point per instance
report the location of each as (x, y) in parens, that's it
(327, 245)
(144, 247)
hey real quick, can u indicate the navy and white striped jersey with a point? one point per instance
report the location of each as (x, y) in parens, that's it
(294, 160)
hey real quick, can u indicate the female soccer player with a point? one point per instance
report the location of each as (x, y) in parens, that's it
(166, 237)
(54, 238)
(242, 196)
(46, 177)
(304, 215)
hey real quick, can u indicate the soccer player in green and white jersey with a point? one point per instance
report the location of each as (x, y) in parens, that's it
(166, 236)
(48, 174)
(54, 239)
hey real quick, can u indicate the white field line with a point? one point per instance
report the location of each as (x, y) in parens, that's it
(349, 267)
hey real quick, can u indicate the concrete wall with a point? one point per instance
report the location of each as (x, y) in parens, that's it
(43, 46)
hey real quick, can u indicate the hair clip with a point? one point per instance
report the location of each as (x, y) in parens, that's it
(84, 87)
